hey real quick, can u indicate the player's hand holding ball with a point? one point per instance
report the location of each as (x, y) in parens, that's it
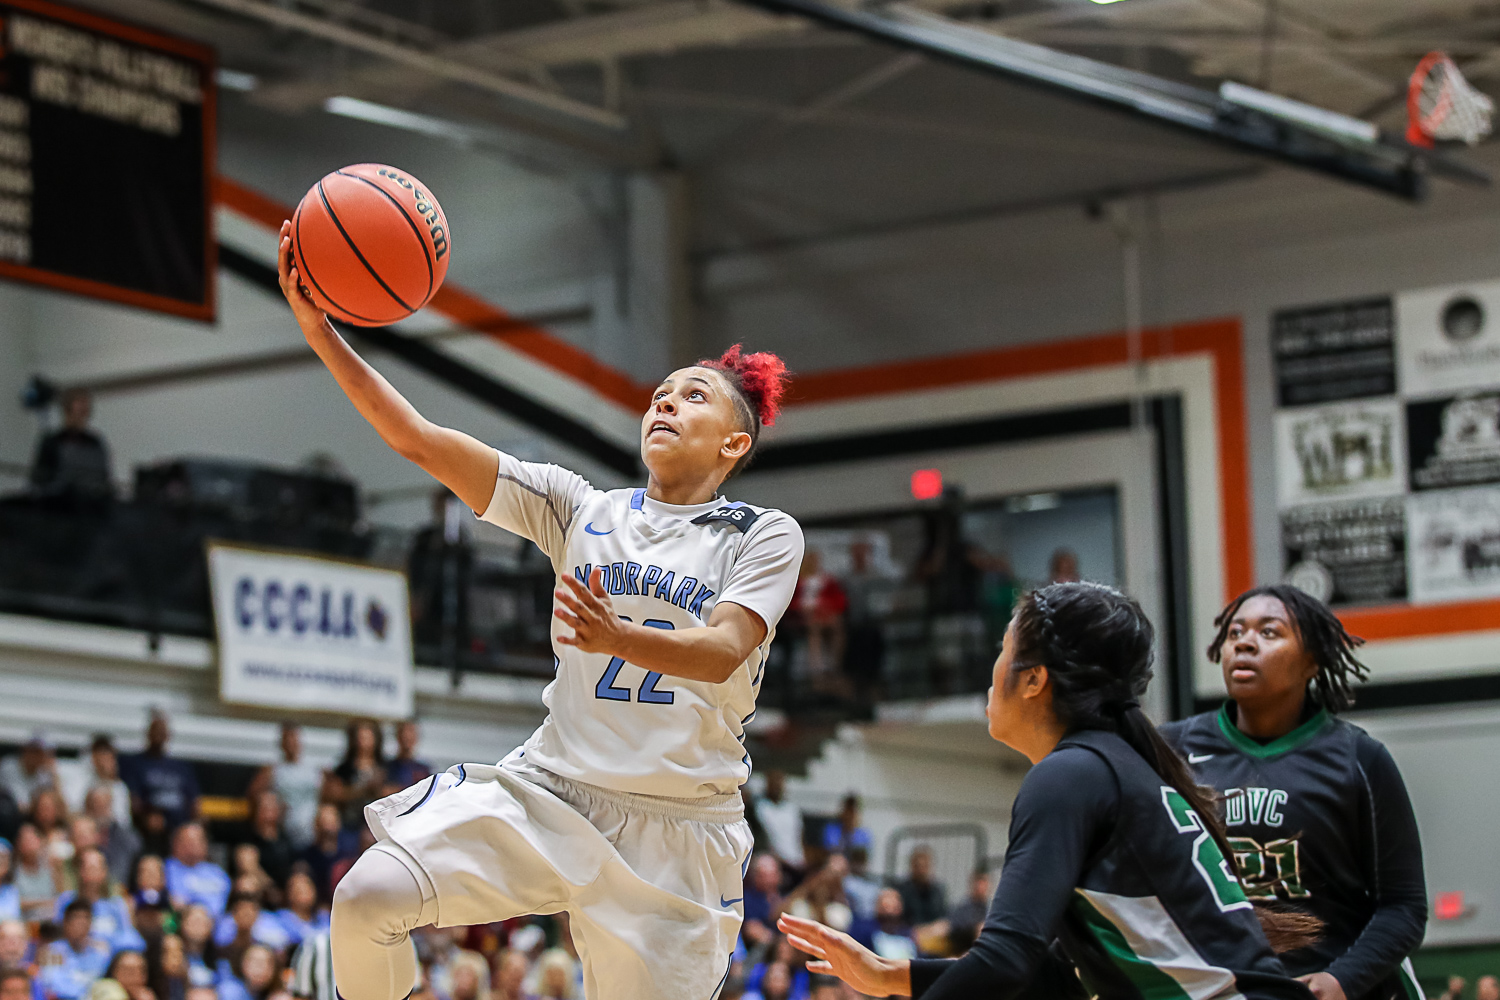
(310, 318)
(591, 614)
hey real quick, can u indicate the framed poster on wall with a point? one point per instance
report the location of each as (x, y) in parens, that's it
(1388, 471)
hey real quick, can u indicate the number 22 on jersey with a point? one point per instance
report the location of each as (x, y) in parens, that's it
(648, 694)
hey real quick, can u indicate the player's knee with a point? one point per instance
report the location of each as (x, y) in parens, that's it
(378, 898)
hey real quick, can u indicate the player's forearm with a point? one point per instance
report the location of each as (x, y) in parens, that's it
(396, 421)
(704, 653)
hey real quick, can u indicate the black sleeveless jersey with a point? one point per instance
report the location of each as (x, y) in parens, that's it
(1110, 862)
(1319, 819)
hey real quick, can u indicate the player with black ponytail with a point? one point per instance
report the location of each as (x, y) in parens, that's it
(1315, 807)
(1115, 853)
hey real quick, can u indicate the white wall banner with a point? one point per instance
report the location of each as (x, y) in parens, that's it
(1448, 338)
(299, 631)
(1340, 451)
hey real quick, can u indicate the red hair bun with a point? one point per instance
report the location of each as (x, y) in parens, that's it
(760, 377)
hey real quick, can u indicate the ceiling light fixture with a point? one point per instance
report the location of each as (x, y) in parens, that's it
(381, 114)
(233, 79)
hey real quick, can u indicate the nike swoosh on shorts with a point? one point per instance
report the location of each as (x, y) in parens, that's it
(590, 529)
(1198, 758)
(729, 902)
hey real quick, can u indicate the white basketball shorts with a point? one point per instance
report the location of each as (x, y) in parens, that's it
(653, 886)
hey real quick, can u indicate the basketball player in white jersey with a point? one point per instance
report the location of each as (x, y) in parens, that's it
(623, 809)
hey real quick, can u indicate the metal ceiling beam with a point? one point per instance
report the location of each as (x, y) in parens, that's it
(1390, 166)
(418, 59)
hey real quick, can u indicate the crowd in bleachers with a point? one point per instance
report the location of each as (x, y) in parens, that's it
(111, 887)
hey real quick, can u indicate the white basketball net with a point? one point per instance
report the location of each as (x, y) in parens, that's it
(1447, 107)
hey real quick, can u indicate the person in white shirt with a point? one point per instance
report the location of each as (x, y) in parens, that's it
(781, 820)
(101, 769)
(297, 781)
(25, 773)
(623, 809)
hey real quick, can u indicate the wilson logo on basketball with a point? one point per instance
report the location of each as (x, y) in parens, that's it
(427, 207)
(371, 244)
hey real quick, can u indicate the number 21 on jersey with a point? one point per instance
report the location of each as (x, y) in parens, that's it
(1207, 857)
(648, 694)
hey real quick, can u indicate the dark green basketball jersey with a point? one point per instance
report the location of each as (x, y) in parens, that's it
(1319, 819)
(1110, 861)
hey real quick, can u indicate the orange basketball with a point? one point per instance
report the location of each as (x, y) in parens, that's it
(370, 244)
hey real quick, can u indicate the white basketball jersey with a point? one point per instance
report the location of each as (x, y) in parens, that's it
(611, 723)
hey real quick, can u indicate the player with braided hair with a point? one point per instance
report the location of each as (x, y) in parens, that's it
(1113, 853)
(1316, 811)
(623, 809)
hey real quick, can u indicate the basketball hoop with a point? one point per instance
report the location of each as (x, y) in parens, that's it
(1442, 106)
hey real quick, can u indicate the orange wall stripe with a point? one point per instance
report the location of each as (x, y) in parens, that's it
(472, 312)
(1219, 338)
(1411, 621)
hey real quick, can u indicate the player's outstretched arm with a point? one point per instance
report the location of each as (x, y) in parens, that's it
(461, 463)
(711, 652)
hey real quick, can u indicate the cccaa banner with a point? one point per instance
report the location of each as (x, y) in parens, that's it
(306, 632)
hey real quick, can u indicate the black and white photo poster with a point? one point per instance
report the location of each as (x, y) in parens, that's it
(1330, 352)
(1347, 553)
(1340, 451)
(1454, 441)
(1454, 546)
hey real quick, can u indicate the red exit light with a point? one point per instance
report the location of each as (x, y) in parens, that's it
(1448, 906)
(926, 484)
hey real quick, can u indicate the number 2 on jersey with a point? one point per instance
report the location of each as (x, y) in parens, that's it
(648, 694)
(1207, 858)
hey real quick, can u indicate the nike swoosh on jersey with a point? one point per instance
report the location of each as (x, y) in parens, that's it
(1198, 758)
(729, 902)
(590, 529)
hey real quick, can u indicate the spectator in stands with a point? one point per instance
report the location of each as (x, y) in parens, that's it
(762, 901)
(127, 973)
(67, 848)
(166, 967)
(775, 984)
(820, 897)
(859, 888)
(255, 977)
(1063, 566)
(72, 462)
(556, 976)
(10, 897)
(16, 984)
(30, 770)
(360, 777)
(35, 878)
(1455, 988)
(328, 848)
(439, 566)
(163, 790)
(969, 915)
(15, 946)
(302, 918)
(244, 924)
(148, 882)
(117, 838)
(842, 835)
(510, 972)
(820, 603)
(247, 875)
(112, 920)
(298, 783)
(782, 822)
(870, 596)
(197, 927)
(1487, 988)
(891, 936)
(404, 769)
(923, 899)
(192, 879)
(75, 960)
(50, 817)
(101, 769)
